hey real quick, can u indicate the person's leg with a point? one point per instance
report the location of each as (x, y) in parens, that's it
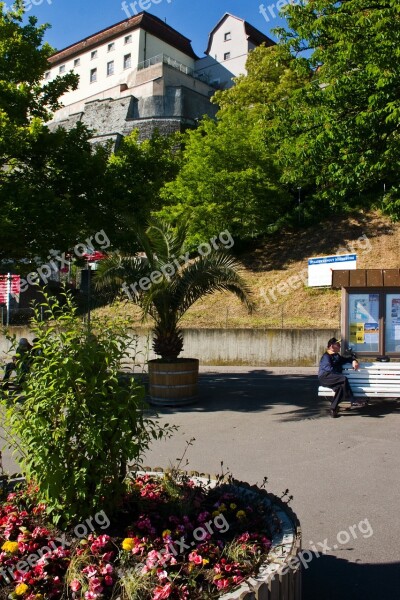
(8, 370)
(339, 384)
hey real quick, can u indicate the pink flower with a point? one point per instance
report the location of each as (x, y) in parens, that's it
(108, 556)
(160, 593)
(90, 571)
(75, 585)
(195, 558)
(91, 596)
(107, 569)
(95, 585)
(108, 580)
(222, 583)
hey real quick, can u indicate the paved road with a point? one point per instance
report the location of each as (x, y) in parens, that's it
(343, 473)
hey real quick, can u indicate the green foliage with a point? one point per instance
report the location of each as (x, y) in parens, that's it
(341, 130)
(165, 283)
(50, 182)
(135, 174)
(78, 422)
(228, 180)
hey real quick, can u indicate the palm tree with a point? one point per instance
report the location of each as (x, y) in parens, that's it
(165, 283)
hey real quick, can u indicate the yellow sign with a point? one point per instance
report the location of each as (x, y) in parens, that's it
(357, 333)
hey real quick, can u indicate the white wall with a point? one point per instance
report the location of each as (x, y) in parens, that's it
(216, 65)
(155, 46)
(107, 86)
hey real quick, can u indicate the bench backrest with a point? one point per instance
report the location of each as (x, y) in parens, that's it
(383, 377)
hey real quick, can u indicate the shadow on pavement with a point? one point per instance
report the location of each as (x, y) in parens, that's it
(260, 391)
(331, 578)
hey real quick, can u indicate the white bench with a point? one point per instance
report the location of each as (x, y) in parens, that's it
(371, 380)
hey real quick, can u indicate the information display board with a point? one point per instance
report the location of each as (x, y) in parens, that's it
(392, 326)
(363, 334)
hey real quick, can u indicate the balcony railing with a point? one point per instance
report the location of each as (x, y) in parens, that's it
(167, 60)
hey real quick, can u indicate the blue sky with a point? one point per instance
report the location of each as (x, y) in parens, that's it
(72, 20)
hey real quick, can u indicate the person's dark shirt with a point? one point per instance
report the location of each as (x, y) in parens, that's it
(332, 363)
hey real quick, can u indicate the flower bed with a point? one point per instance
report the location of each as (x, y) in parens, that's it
(172, 538)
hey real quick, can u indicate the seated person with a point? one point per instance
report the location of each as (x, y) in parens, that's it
(20, 362)
(330, 375)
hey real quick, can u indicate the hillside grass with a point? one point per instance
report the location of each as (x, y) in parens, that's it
(373, 237)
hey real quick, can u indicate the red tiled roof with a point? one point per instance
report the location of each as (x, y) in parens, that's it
(253, 34)
(143, 20)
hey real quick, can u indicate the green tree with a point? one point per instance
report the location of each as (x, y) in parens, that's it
(50, 182)
(164, 283)
(77, 422)
(342, 126)
(135, 174)
(230, 177)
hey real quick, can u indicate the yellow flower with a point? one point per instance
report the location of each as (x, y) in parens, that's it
(166, 532)
(222, 508)
(241, 514)
(10, 547)
(233, 506)
(128, 544)
(21, 589)
(215, 513)
(205, 561)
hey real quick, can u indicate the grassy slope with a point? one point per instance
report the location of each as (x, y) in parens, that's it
(285, 255)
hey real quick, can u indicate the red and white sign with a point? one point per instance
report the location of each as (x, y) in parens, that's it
(9, 285)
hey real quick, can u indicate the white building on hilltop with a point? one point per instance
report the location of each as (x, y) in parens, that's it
(141, 73)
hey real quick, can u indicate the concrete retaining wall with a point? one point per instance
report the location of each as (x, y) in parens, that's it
(256, 347)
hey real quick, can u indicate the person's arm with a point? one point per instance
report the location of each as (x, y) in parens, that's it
(350, 359)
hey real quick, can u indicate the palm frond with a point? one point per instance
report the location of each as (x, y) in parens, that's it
(218, 271)
(117, 269)
(167, 242)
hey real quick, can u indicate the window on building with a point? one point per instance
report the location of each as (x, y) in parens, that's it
(227, 55)
(227, 36)
(127, 61)
(61, 69)
(47, 75)
(77, 62)
(93, 75)
(110, 68)
(93, 55)
(128, 39)
(111, 47)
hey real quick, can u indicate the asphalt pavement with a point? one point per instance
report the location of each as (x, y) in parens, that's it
(343, 473)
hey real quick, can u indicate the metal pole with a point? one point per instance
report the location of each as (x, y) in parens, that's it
(89, 294)
(299, 188)
(9, 276)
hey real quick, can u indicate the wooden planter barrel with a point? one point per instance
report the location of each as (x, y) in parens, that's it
(173, 383)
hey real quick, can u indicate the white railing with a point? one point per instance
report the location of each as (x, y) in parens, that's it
(167, 60)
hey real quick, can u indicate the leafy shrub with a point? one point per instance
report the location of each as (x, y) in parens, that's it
(78, 422)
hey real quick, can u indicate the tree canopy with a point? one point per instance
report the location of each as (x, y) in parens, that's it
(341, 131)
